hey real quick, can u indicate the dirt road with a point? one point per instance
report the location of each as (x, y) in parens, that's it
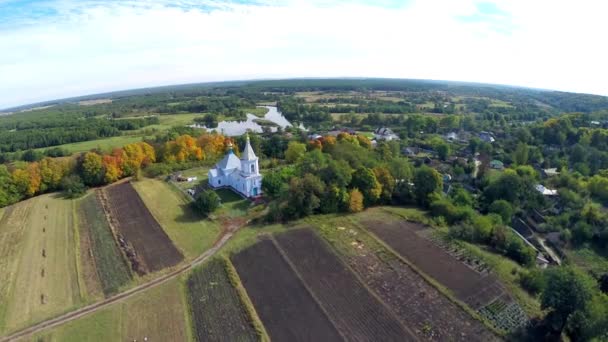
(70, 316)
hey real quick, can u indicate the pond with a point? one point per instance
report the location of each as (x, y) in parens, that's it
(236, 128)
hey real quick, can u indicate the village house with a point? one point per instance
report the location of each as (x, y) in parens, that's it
(497, 164)
(241, 175)
(486, 137)
(545, 191)
(385, 133)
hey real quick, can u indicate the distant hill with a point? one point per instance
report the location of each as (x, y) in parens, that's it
(561, 101)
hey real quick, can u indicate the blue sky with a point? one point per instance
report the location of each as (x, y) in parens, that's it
(60, 48)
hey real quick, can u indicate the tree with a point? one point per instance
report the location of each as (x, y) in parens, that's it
(206, 202)
(304, 196)
(365, 180)
(272, 184)
(355, 201)
(520, 155)
(337, 172)
(52, 170)
(73, 186)
(566, 292)
(427, 181)
(92, 169)
(387, 182)
(460, 196)
(443, 150)
(401, 169)
(503, 209)
(295, 151)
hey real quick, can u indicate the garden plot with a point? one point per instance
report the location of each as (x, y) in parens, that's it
(111, 269)
(217, 312)
(284, 305)
(418, 304)
(358, 315)
(145, 243)
(470, 281)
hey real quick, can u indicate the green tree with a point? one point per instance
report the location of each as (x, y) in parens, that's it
(401, 169)
(272, 184)
(503, 209)
(295, 151)
(566, 292)
(337, 172)
(206, 202)
(304, 196)
(520, 155)
(365, 180)
(427, 181)
(73, 187)
(443, 150)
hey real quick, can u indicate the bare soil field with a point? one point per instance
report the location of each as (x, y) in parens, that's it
(474, 288)
(217, 312)
(152, 248)
(358, 315)
(284, 305)
(418, 304)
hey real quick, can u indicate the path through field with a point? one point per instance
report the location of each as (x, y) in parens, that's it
(121, 296)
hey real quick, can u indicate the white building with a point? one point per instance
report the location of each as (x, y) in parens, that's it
(241, 175)
(384, 133)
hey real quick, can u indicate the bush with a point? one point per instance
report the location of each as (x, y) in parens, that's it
(452, 214)
(73, 187)
(532, 281)
(502, 208)
(206, 202)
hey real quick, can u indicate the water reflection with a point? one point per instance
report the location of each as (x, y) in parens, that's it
(235, 128)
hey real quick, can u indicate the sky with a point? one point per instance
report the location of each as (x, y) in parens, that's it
(52, 49)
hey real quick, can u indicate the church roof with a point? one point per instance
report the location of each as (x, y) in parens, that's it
(248, 153)
(230, 161)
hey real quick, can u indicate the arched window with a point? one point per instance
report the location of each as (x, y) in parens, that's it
(252, 168)
(219, 182)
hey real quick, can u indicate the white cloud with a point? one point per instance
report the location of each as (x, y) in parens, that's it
(98, 47)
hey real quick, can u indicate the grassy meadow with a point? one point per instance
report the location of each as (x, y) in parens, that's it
(188, 231)
(38, 247)
(159, 314)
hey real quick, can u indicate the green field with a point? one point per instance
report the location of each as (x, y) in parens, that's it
(112, 270)
(38, 262)
(158, 314)
(233, 205)
(105, 144)
(190, 233)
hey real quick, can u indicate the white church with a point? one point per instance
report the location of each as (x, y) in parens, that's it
(242, 175)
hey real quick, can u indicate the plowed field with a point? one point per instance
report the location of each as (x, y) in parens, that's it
(284, 305)
(153, 248)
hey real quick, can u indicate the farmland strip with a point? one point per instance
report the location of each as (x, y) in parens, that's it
(140, 230)
(112, 269)
(437, 263)
(217, 312)
(287, 310)
(358, 314)
(418, 304)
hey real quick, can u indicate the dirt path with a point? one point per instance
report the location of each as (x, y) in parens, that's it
(70, 316)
